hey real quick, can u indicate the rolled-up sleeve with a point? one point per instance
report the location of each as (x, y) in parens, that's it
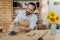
(18, 17)
(33, 22)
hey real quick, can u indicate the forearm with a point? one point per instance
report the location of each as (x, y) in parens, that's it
(27, 29)
(14, 24)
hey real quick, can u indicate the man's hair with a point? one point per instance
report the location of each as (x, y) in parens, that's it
(33, 4)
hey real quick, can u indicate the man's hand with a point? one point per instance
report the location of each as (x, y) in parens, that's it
(17, 29)
(22, 28)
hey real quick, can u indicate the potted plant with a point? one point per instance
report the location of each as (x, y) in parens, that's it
(53, 19)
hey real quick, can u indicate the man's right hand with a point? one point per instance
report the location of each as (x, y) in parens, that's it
(17, 29)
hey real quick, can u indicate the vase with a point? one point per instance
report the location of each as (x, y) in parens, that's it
(53, 29)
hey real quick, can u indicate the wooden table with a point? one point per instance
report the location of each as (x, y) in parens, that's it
(30, 36)
(52, 37)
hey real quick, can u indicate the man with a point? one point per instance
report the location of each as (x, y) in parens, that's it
(26, 21)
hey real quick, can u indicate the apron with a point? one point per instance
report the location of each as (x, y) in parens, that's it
(23, 23)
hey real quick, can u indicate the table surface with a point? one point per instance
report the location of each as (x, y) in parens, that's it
(34, 35)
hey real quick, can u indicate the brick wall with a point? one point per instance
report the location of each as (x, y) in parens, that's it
(5, 13)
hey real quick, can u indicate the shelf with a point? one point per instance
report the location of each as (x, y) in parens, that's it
(26, 0)
(22, 8)
(18, 8)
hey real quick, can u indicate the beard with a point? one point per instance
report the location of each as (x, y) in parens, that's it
(27, 13)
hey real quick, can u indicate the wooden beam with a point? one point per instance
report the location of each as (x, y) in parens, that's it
(40, 10)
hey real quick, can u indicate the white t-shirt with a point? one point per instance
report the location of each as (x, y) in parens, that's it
(32, 18)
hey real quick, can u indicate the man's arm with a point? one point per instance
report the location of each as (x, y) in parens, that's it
(27, 29)
(12, 26)
(33, 22)
(15, 22)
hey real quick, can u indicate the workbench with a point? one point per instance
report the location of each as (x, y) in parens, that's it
(34, 35)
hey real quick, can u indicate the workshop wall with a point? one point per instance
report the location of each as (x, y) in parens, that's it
(5, 13)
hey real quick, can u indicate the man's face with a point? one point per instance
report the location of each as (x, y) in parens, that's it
(30, 9)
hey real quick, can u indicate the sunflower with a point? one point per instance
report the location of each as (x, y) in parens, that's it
(52, 17)
(52, 13)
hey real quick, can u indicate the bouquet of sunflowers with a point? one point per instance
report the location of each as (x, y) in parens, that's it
(52, 17)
